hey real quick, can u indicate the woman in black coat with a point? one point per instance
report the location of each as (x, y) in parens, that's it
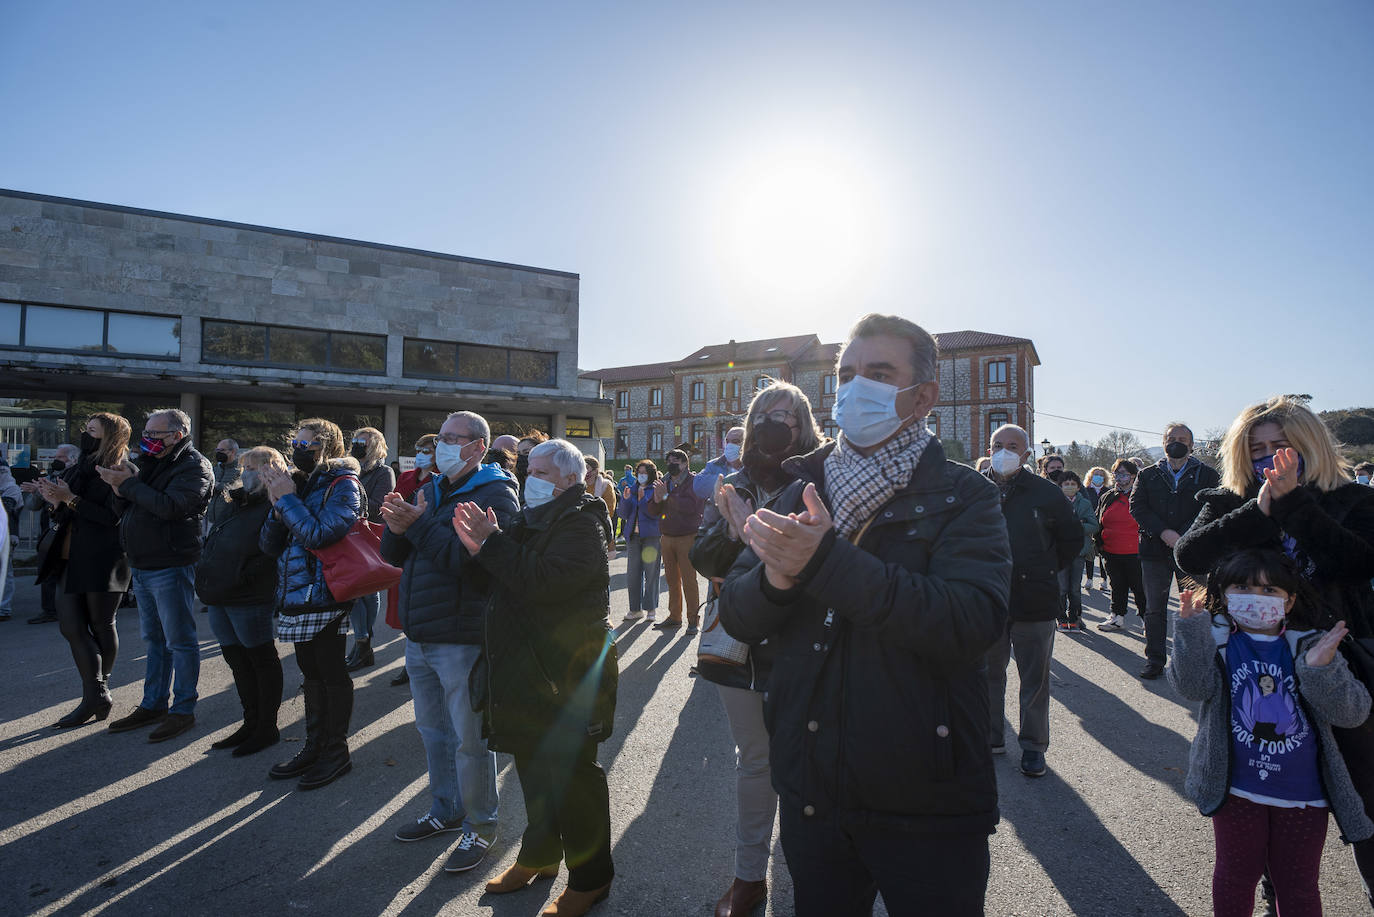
(88, 562)
(552, 669)
(1286, 486)
(237, 582)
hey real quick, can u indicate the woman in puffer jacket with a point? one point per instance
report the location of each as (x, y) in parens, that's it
(312, 509)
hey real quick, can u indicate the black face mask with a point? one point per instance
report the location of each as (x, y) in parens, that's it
(56, 465)
(304, 459)
(1055, 475)
(358, 451)
(522, 464)
(222, 457)
(674, 469)
(1176, 450)
(88, 443)
(769, 444)
(770, 437)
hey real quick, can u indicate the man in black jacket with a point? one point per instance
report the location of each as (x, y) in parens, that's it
(1045, 537)
(1164, 504)
(162, 502)
(880, 581)
(442, 601)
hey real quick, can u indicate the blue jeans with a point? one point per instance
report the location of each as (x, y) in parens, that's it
(643, 558)
(7, 593)
(167, 624)
(241, 625)
(363, 617)
(462, 771)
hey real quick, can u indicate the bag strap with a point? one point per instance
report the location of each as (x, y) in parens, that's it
(362, 494)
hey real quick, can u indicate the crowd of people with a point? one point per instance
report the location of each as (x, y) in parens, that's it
(845, 579)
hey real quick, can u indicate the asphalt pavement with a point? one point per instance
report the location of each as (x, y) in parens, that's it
(94, 823)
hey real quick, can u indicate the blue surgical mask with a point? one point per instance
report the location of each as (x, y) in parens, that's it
(731, 452)
(1268, 462)
(866, 411)
(423, 461)
(448, 457)
(538, 491)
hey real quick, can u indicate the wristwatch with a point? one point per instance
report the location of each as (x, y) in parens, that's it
(71, 504)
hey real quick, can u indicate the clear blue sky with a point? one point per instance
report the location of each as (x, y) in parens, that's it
(1174, 200)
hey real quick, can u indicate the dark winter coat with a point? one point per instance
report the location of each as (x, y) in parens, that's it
(877, 705)
(1158, 504)
(226, 479)
(313, 517)
(97, 559)
(549, 648)
(713, 554)
(162, 508)
(1333, 529)
(442, 595)
(377, 481)
(233, 569)
(1045, 537)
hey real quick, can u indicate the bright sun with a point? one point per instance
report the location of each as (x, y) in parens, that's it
(794, 228)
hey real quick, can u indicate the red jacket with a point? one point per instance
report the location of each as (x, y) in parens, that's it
(1120, 533)
(409, 482)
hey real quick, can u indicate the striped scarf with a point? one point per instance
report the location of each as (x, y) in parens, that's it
(857, 485)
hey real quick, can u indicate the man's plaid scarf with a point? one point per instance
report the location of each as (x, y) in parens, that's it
(857, 485)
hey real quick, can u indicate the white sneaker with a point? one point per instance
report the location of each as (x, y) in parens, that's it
(634, 616)
(1112, 623)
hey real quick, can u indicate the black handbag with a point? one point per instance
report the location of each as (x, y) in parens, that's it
(50, 539)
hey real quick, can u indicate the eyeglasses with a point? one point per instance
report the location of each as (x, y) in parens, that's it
(427, 450)
(157, 434)
(305, 444)
(778, 416)
(360, 442)
(453, 439)
(1123, 476)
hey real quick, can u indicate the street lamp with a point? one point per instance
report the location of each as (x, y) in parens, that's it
(1046, 446)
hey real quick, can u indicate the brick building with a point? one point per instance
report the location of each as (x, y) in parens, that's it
(986, 380)
(249, 329)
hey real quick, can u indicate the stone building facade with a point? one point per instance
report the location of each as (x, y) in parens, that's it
(986, 380)
(249, 329)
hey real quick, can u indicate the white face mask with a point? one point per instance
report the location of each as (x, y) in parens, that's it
(1255, 612)
(423, 461)
(538, 491)
(447, 458)
(866, 411)
(731, 452)
(1005, 462)
(642, 479)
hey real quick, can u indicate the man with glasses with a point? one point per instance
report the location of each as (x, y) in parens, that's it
(441, 610)
(162, 499)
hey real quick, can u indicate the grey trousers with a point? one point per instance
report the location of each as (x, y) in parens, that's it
(1032, 643)
(1158, 574)
(757, 802)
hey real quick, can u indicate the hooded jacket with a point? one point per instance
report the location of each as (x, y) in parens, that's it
(443, 596)
(162, 508)
(313, 517)
(1330, 696)
(898, 623)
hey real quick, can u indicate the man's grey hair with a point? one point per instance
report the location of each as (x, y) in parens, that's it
(177, 419)
(925, 352)
(1025, 437)
(566, 457)
(233, 444)
(67, 449)
(478, 428)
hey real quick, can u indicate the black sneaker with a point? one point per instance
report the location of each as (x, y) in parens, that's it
(174, 725)
(471, 850)
(1152, 670)
(141, 716)
(43, 618)
(426, 827)
(1033, 763)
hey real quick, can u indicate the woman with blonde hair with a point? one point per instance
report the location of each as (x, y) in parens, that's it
(378, 480)
(237, 582)
(1286, 486)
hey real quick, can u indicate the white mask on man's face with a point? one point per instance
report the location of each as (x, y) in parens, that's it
(1005, 462)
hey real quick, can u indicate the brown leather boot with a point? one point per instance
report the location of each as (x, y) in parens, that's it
(517, 877)
(741, 898)
(575, 904)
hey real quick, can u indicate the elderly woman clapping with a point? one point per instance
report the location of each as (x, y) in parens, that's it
(552, 669)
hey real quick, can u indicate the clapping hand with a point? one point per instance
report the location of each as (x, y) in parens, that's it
(1324, 650)
(1187, 607)
(733, 508)
(660, 490)
(278, 483)
(1279, 481)
(400, 515)
(786, 544)
(115, 477)
(54, 492)
(474, 525)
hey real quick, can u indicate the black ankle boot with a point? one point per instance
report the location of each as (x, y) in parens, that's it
(333, 761)
(315, 713)
(237, 657)
(361, 657)
(267, 684)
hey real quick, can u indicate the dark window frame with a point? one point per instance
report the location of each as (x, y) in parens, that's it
(590, 426)
(104, 314)
(655, 397)
(622, 400)
(1005, 372)
(206, 357)
(655, 434)
(699, 390)
(828, 383)
(458, 376)
(622, 440)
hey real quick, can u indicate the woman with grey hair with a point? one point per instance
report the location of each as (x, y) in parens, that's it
(551, 670)
(779, 424)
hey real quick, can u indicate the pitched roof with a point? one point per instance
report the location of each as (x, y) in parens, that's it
(970, 340)
(786, 348)
(630, 373)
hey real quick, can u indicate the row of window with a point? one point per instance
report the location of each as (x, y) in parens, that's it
(727, 389)
(61, 328)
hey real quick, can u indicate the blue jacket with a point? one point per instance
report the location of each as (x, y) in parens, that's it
(304, 521)
(641, 509)
(442, 595)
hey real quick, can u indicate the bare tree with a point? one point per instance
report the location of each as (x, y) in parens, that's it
(1120, 444)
